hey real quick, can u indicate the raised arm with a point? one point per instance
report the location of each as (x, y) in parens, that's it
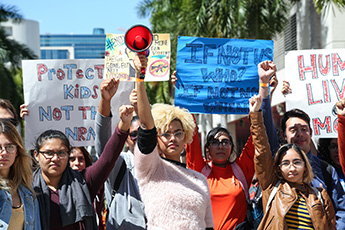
(341, 132)
(144, 108)
(263, 159)
(266, 71)
(96, 174)
(103, 124)
(194, 157)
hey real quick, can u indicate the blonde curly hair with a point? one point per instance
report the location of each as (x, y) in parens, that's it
(164, 114)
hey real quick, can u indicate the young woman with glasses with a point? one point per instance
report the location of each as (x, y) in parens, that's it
(289, 201)
(174, 197)
(65, 196)
(19, 206)
(229, 176)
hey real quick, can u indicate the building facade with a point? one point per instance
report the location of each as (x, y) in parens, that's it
(65, 46)
(26, 32)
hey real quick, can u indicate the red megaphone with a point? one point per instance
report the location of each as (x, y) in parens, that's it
(139, 38)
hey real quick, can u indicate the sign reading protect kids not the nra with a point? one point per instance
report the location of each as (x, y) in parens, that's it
(64, 95)
(317, 81)
(218, 75)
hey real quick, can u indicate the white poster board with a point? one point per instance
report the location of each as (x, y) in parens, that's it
(119, 59)
(316, 78)
(64, 95)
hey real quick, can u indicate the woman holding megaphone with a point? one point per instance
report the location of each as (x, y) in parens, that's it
(175, 197)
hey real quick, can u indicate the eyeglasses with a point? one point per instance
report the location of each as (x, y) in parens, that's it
(50, 154)
(178, 135)
(12, 120)
(296, 164)
(133, 135)
(215, 143)
(9, 148)
(333, 148)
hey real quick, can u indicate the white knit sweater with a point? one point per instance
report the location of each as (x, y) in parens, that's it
(175, 197)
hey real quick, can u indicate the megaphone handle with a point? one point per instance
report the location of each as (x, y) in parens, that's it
(143, 70)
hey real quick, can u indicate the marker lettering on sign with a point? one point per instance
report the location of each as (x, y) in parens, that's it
(68, 71)
(190, 90)
(225, 107)
(55, 114)
(316, 67)
(80, 133)
(85, 109)
(77, 91)
(325, 125)
(326, 92)
(223, 75)
(230, 55)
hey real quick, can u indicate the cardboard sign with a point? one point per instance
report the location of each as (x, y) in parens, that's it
(119, 59)
(316, 79)
(217, 75)
(64, 95)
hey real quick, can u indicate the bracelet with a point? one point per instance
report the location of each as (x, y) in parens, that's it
(139, 79)
(264, 84)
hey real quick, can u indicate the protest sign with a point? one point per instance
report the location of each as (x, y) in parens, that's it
(64, 95)
(218, 75)
(119, 59)
(316, 79)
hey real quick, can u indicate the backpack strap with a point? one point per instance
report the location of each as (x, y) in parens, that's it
(236, 169)
(119, 178)
(272, 195)
(206, 170)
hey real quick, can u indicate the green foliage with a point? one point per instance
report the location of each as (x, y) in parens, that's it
(323, 6)
(247, 19)
(11, 55)
(210, 18)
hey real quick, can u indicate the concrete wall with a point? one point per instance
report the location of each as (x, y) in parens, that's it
(27, 33)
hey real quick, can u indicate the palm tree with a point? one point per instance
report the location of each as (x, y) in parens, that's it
(325, 5)
(213, 18)
(11, 55)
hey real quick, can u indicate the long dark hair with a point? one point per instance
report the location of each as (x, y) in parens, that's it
(86, 154)
(323, 149)
(308, 176)
(211, 136)
(51, 134)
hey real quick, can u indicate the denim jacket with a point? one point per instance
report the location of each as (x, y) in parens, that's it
(31, 209)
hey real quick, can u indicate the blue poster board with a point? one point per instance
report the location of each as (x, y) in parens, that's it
(218, 75)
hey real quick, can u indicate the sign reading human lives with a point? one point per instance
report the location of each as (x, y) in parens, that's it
(316, 79)
(64, 95)
(218, 75)
(119, 58)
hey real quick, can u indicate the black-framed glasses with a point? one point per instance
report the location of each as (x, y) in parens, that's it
(178, 135)
(9, 148)
(133, 135)
(215, 143)
(62, 154)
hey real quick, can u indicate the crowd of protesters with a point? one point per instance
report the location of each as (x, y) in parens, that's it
(139, 182)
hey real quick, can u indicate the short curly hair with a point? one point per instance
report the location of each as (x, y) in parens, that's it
(164, 114)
